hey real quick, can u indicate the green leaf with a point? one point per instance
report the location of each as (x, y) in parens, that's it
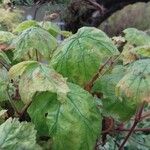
(17, 136)
(37, 77)
(143, 51)
(4, 81)
(51, 27)
(6, 37)
(32, 40)
(80, 56)
(135, 84)
(25, 25)
(74, 125)
(18, 69)
(136, 37)
(112, 106)
(4, 58)
(128, 54)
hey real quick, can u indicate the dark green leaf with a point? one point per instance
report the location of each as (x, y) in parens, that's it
(74, 124)
(112, 106)
(80, 56)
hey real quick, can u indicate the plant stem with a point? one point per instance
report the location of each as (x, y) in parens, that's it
(135, 130)
(90, 84)
(12, 103)
(24, 109)
(145, 115)
(36, 52)
(136, 121)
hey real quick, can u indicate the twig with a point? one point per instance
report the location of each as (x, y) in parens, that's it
(24, 109)
(90, 84)
(136, 121)
(135, 130)
(12, 103)
(145, 115)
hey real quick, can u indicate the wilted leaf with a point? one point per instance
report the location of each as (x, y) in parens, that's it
(36, 77)
(33, 39)
(17, 136)
(135, 85)
(25, 25)
(80, 56)
(73, 125)
(136, 37)
(112, 106)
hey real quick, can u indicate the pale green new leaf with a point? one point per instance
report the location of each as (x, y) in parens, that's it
(135, 85)
(6, 37)
(73, 125)
(25, 25)
(143, 51)
(4, 81)
(31, 40)
(80, 56)
(17, 136)
(36, 77)
(136, 37)
(51, 27)
(112, 106)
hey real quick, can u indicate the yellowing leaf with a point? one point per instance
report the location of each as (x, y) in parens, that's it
(32, 40)
(79, 57)
(73, 125)
(136, 83)
(36, 77)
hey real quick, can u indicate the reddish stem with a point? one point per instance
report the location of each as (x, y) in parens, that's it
(89, 85)
(135, 130)
(136, 121)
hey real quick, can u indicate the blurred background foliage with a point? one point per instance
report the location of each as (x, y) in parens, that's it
(136, 15)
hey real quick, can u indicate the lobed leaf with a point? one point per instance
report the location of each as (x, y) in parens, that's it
(37, 77)
(79, 57)
(75, 124)
(51, 27)
(112, 106)
(135, 84)
(136, 37)
(34, 39)
(25, 25)
(17, 136)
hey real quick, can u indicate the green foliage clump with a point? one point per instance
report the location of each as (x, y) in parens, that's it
(73, 94)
